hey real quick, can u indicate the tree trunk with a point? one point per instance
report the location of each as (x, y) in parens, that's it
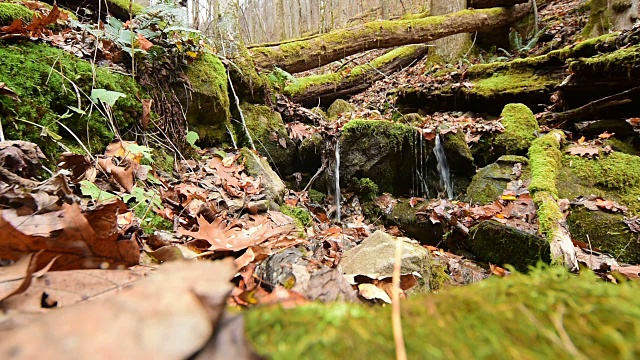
(485, 4)
(326, 88)
(450, 48)
(305, 54)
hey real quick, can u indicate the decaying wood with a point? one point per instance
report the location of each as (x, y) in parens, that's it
(562, 250)
(307, 54)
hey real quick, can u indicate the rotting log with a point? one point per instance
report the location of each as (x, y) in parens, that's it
(545, 160)
(302, 55)
(485, 4)
(324, 89)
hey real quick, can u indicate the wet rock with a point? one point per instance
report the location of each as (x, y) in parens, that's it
(258, 166)
(291, 269)
(375, 258)
(458, 154)
(490, 181)
(500, 244)
(411, 119)
(339, 107)
(621, 129)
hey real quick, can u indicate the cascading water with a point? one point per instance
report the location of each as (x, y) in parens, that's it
(419, 187)
(337, 179)
(443, 167)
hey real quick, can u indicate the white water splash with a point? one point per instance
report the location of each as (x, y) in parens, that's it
(337, 179)
(443, 167)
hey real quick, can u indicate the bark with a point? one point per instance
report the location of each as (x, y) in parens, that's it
(450, 48)
(324, 89)
(302, 55)
(485, 4)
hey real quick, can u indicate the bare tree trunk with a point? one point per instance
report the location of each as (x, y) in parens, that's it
(305, 54)
(451, 47)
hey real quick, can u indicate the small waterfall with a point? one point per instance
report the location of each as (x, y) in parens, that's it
(443, 167)
(337, 179)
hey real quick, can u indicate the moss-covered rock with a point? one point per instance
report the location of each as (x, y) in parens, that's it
(258, 166)
(521, 128)
(365, 188)
(501, 244)
(208, 103)
(371, 149)
(339, 107)
(605, 231)
(11, 11)
(44, 78)
(500, 318)
(267, 131)
(418, 227)
(614, 177)
(490, 182)
(301, 216)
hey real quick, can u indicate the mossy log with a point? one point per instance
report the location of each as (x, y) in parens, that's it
(326, 88)
(546, 160)
(485, 4)
(305, 54)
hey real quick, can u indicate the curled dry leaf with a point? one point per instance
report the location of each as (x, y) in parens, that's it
(16, 278)
(161, 317)
(81, 240)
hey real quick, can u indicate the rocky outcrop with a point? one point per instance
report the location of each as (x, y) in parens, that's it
(491, 181)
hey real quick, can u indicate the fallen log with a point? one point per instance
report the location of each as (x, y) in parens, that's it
(99, 8)
(485, 4)
(301, 55)
(545, 159)
(588, 111)
(324, 89)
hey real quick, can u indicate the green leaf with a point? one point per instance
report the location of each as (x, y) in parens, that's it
(95, 193)
(192, 137)
(106, 96)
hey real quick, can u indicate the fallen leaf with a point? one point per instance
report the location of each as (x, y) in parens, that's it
(584, 151)
(169, 315)
(143, 43)
(605, 135)
(81, 240)
(6, 91)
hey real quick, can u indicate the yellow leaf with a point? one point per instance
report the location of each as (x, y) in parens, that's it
(193, 54)
(509, 197)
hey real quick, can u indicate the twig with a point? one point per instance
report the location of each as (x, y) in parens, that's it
(314, 177)
(244, 124)
(398, 338)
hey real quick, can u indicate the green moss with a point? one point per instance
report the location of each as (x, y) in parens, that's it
(301, 216)
(520, 128)
(316, 197)
(619, 61)
(517, 317)
(339, 107)
(510, 83)
(545, 159)
(208, 111)
(44, 77)
(621, 6)
(616, 175)
(396, 133)
(489, 183)
(366, 188)
(604, 231)
(622, 146)
(549, 214)
(10, 12)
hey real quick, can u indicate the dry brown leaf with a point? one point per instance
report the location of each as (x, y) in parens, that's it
(16, 278)
(6, 91)
(169, 315)
(82, 240)
(584, 151)
(122, 175)
(143, 43)
(605, 135)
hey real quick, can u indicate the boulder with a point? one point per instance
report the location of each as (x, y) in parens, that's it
(501, 244)
(490, 182)
(375, 258)
(418, 227)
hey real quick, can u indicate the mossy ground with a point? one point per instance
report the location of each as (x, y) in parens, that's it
(521, 317)
(44, 77)
(301, 216)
